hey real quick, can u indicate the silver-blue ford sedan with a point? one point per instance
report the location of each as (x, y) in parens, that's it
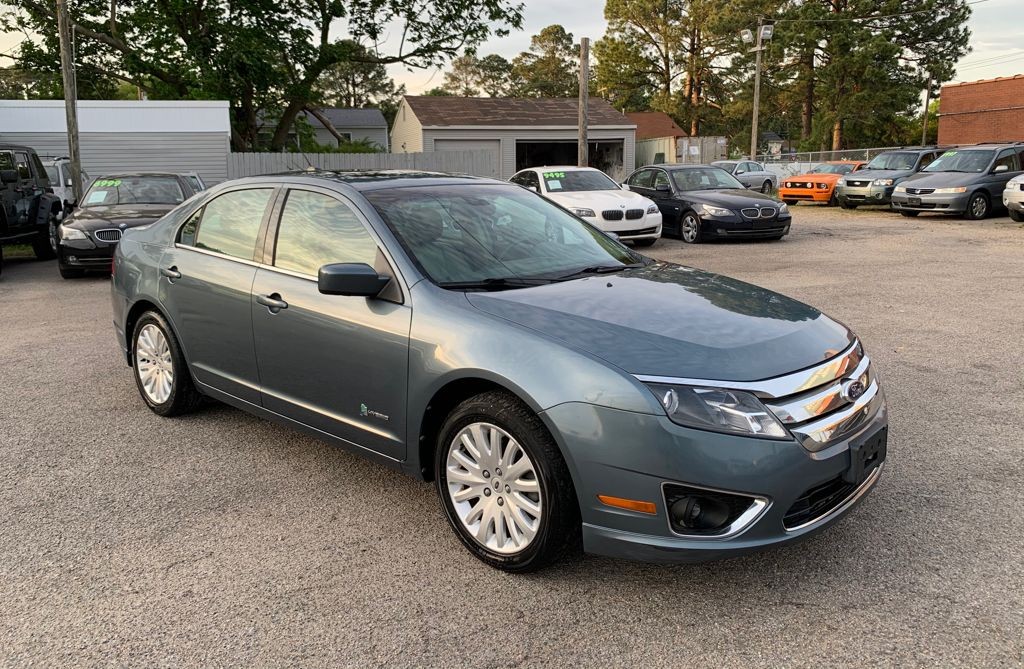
(559, 387)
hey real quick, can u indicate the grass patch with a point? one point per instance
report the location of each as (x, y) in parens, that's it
(19, 251)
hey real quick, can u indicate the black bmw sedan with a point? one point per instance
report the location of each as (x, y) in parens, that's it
(699, 202)
(87, 238)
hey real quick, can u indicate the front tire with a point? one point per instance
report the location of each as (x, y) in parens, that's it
(689, 228)
(790, 202)
(847, 205)
(503, 484)
(159, 367)
(766, 187)
(977, 207)
(1017, 215)
(42, 247)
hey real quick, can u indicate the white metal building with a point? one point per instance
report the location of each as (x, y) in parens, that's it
(127, 135)
(521, 132)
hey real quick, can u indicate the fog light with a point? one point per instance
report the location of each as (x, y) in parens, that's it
(700, 513)
(72, 259)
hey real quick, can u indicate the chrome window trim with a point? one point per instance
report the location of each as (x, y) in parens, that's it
(781, 386)
(759, 505)
(215, 254)
(850, 500)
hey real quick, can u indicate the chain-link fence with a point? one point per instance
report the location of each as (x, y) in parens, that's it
(824, 156)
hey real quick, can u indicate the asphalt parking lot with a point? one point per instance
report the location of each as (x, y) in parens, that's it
(221, 539)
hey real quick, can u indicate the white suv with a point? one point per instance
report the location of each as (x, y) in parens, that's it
(593, 196)
(1013, 198)
(58, 171)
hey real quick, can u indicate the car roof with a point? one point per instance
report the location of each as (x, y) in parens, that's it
(672, 167)
(124, 175)
(366, 180)
(16, 147)
(562, 168)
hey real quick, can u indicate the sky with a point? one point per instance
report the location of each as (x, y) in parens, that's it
(996, 25)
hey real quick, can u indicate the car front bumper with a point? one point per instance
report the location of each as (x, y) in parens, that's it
(805, 194)
(634, 456)
(858, 195)
(1013, 199)
(86, 254)
(738, 227)
(952, 203)
(648, 227)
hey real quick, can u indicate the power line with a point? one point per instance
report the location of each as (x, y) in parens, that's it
(869, 18)
(981, 62)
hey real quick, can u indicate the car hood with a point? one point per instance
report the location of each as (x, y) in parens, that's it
(730, 198)
(670, 320)
(870, 175)
(823, 177)
(129, 216)
(942, 179)
(601, 199)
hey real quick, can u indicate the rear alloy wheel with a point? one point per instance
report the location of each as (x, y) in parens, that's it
(766, 187)
(977, 207)
(690, 228)
(503, 484)
(160, 371)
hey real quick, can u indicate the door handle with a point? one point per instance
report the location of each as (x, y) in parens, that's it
(171, 273)
(273, 302)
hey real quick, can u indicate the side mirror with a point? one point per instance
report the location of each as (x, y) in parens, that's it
(9, 176)
(533, 188)
(662, 188)
(624, 186)
(1000, 168)
(69, 183)
(740, 172)
(355, 279)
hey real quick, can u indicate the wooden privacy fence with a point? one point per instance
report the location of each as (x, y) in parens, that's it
(480, 163)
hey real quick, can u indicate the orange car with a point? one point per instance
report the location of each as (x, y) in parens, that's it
(818, 185)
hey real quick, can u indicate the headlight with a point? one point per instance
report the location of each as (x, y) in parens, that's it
(589, 213)
(708, 210)
(822, 186)
(718, 409)
(70, 233)
(653, 209)
(901, 189)
(882, 182)
(783, 208)
(960, 189)
(840, 183)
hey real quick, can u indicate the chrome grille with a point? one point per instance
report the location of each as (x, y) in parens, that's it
(633, 214)
(108, 235)
(858, 184)
(766, 212)
(920, 191)
(612, 214)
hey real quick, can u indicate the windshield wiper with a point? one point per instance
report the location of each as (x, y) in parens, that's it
(599, 269)
(493, 283)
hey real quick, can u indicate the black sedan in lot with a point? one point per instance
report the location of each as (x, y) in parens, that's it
(699, 202)
(87, 238)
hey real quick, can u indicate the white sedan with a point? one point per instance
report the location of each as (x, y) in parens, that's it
(593, 196)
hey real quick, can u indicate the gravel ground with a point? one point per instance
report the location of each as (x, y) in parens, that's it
(220, 539)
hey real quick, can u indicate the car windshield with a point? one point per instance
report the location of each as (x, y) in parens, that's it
(893, 161)
(961, 161)
(704, 178)
(467, 234)
(832, 168)
(577, 180)
(53, 176)
(133, 190)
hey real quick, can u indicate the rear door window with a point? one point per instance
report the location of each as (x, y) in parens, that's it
(229, 224)
(21, 159)
(318, 230)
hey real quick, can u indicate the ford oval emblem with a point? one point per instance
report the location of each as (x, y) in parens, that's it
(852, 390)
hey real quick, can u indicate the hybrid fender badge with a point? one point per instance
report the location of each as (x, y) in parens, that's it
(370, 413)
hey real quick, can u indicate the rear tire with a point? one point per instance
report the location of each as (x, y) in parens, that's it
(909, 214)
(978, 207)
(766, 187)
(541, 500)
(1017, 215)
(155, 349)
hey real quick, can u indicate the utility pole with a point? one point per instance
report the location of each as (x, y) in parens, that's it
(757, 92)
(67, 68)
(583, 159)
(927, 101)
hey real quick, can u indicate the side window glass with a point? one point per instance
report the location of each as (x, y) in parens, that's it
(519, 179)
(231, 222)
(1020, 159)
(926, 160)
(187, 235)
(533, 180)
(316, 230)
(660, 179)
(641, 179)
(6, 160)
(1006, 157)
(23, 169)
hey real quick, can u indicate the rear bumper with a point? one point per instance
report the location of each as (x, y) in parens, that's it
(955, 203)
(632, 456)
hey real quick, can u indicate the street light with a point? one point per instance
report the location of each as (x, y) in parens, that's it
(764, 33)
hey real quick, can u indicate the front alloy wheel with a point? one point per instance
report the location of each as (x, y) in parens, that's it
(977, 208)
(690, 231)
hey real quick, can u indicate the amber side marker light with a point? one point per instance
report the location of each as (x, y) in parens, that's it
(628, 504)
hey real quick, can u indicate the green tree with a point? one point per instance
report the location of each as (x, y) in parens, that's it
(549, 68)
(359, 82)
(268, 57)
(462, 76)
(494, 75)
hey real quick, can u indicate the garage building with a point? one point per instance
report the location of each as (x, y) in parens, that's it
(521, 132)
(127, 135)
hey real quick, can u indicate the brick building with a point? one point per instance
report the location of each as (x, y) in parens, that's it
(991, 110)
